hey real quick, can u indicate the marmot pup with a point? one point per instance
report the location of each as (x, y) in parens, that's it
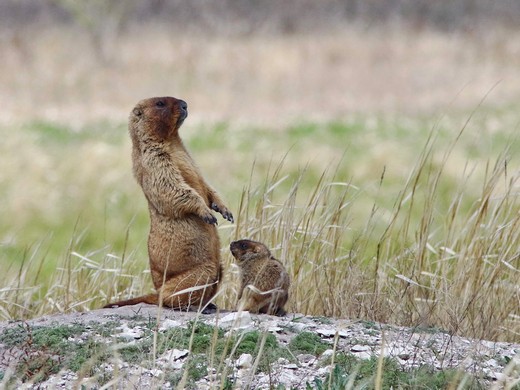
(183, 244)
(264, 277)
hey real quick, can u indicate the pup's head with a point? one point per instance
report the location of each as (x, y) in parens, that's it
(157, 118)
(244, 250)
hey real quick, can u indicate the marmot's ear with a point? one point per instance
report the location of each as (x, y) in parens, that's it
(137, 111)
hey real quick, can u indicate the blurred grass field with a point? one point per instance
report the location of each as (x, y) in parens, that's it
(79, 183)
(349, 205)
(380, 165)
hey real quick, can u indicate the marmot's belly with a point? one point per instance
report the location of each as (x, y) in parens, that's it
(181, 244)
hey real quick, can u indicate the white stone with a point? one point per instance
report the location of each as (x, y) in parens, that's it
(288, 378)
(322, 371)
(203, 386)
(326, 332)
(362, 351)
(363, 355)
(244, 361)
(176, 354)
(327, 353)
(468, 362)
(155, 372)
(235, 320)
(489, 344)
(261, 379)
(306, 358)
(360, 348)
(243, 373)
(271, 326)
(168, 324)
(299, 327)
(166, 385)
(173, 358)
(325, 356)
(498, 376)
(106, 367)
(331, 332)
(130, 334)
(404, 356)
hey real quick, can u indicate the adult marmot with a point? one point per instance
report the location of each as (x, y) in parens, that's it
(183, 244)
(263, 277)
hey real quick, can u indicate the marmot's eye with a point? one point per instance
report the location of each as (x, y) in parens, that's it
(159, 103)
(243, 245)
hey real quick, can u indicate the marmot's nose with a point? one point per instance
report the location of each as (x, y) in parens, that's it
(184, 106)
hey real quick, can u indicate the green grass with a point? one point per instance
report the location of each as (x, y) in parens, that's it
(264, 348)
(351, 372)
(46, 350)
(411, 221)
(55, 134)
(308, 342)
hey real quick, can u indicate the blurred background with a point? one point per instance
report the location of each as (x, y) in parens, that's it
(346, 93)
(266, 62)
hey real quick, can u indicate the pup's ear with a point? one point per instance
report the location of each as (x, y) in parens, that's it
(137, 111)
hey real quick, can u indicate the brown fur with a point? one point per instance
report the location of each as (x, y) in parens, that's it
(183, 244)
(260, 269)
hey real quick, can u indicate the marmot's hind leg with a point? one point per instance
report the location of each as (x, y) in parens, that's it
(192, 289)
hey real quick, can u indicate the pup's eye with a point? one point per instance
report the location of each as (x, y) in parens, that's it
(243, 245)
(159, 103)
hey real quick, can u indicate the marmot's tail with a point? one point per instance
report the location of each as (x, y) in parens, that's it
(150, 298)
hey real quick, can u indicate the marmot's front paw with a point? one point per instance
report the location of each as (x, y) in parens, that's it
(223, 210)
(209, 218)
(227, 215)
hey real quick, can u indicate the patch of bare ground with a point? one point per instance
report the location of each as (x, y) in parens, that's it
(315, 344)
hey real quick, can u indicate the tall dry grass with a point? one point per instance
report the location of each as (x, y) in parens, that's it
(417, 263)
(454, 269)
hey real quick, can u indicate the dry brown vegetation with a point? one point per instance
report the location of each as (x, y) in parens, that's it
(55, 74)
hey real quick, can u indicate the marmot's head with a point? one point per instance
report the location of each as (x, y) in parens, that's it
(244, 250)
(157, 119)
